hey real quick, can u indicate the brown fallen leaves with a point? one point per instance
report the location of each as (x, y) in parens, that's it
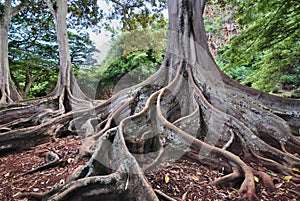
(180, 180)
(189, 180)
(13, 166)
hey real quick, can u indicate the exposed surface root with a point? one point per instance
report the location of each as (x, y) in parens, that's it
(135, 138)
(188, 108)
(49, 156)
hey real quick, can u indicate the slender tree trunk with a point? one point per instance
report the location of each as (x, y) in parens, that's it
(29, 81)
(59, 11)
(8, 92)
(67, 84)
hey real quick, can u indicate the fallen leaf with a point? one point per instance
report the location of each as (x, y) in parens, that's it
(287, 178)
(7, 174)
(62, 182)
(264, 192)
(296, 170)
(195, 178)
(167, 179)
(256, 179)
(70, 160)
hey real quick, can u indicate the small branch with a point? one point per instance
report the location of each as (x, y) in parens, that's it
(293, 191)
(165, 196)
(228, 178)
(53, 163)
(126, 6)
(19, 8)
(36, 76)
(184, 196)
(51, 7)
(4, 129)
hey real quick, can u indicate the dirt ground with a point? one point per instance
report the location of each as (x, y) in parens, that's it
(181, 180)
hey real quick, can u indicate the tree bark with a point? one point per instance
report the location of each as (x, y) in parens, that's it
(8, 92)
(59, 11)
(189, 108)
(67, 86)
(29, 81)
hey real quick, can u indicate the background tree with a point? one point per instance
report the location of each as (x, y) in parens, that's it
(269, 44)
(33, 58)
(66, 96)
(136, 54)
(7, 10)
(67, 86)
(136, 14)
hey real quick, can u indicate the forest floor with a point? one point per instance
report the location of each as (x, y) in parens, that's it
(180, 180)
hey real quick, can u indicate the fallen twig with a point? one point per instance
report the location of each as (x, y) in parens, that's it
(165, 196)
(55, 161)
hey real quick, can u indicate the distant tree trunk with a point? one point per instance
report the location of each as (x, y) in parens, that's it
(29, 81)
(66, 84)
(8, 91)
(59, 11)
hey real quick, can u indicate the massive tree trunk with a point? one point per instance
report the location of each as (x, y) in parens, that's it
(8, 91)
(188, 108)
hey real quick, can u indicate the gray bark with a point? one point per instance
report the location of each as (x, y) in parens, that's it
(188, 108)
(4, 67)
(59, 11)
(8, 91)
(67, 85)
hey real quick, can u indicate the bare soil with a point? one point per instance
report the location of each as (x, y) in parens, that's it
(179, 180)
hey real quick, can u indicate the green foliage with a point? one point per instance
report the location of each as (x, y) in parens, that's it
(128, 70)
(239, 73)
(146, 62)
(277, 69)
(136, 54)
(81, 51)
(33, 55)
(84, 14)
(215, 21)
(270, 42)
(136, 14)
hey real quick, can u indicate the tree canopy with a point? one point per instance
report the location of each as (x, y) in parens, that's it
(136, 14)
(135, 53)
(33, 58)
(269, 42)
